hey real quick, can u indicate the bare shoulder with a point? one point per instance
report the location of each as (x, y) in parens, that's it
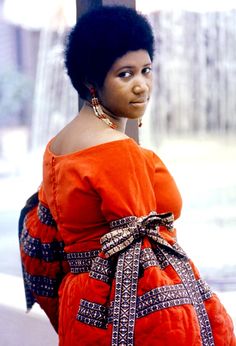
(71, 140)
(101, 137)
(112, 135)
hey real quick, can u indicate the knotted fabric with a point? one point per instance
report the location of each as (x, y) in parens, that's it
(125, 242)
(126, 234)
(128, 230)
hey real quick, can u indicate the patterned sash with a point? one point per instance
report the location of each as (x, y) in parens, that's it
(125, 261)
(125, 240)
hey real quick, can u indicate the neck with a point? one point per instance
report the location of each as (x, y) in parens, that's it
(119, 122)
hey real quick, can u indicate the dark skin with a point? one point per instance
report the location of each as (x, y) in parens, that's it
(124, 95)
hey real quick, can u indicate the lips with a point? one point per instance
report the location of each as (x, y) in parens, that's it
(140, 101)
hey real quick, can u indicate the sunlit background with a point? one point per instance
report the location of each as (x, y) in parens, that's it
(190, 124)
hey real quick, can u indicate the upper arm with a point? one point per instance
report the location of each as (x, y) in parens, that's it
(124, 184)
(167, 194)
(42, 256)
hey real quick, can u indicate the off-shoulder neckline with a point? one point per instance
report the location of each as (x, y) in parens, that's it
(86, 150)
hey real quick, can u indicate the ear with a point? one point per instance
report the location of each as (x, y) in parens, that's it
(92, 88)
(89, 84)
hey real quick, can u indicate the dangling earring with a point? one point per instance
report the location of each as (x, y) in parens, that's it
(140, 123)
(98, 109)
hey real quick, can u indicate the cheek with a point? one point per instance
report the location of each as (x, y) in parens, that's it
(118, 95)
(150, 84)
(103, 97)
(115, 95)
(107, 92)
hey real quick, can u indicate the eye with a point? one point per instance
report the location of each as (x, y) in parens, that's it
(125, 74)
(147, 70)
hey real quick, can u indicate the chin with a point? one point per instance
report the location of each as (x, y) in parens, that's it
(138, 109)
(137, 115)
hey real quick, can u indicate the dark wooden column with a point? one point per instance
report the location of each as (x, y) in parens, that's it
(84, 5)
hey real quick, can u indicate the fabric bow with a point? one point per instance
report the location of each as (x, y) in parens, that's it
(125, 234)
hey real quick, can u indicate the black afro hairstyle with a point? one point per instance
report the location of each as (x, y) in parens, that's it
(100, 37)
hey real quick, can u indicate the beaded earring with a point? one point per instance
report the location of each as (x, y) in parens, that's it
(140, 123)
(98, 109)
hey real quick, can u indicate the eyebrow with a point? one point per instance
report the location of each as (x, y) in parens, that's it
(132, 66)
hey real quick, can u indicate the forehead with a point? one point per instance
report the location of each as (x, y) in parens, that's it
(133, 59)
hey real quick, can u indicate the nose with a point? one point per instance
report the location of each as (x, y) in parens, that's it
(140, 85)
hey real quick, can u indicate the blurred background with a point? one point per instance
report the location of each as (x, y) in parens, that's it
(190, 124)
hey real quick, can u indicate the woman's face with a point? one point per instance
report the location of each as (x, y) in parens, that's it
(128, 84)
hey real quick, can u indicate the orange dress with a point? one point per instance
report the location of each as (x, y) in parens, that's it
(100, 256)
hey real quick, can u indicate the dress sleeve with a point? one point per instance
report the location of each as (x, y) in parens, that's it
(42, 255)
(167, 194)
(124, 182)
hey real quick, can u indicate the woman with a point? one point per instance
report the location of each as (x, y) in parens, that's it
(98, 245)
